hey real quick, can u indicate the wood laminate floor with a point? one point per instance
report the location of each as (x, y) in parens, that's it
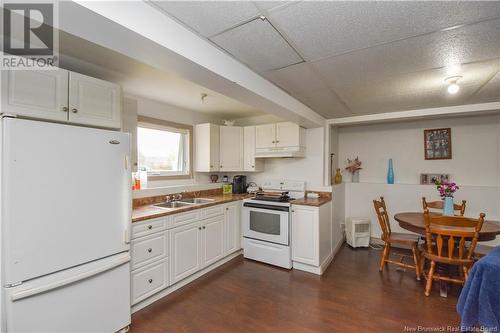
(351, 296)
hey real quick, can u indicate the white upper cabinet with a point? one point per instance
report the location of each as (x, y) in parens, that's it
(37, 94)
(250, 163)
(288, 135)
(207, 137)
(231, 148)
(62, 95)
(94, 102)
(280, 140)
(265, 136)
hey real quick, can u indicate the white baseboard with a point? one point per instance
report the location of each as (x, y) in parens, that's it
(180, 284)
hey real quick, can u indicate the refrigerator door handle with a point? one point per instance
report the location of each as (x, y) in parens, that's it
(58, 284)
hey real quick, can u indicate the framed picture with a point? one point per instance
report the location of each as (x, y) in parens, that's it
(437, 144)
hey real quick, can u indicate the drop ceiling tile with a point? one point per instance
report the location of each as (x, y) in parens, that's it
(297, 79)
(209, 17)
(490, 92)
(415, 90)
(258, 45)
(271, 5)
(325, 103)
(468, 44)
(325, 28)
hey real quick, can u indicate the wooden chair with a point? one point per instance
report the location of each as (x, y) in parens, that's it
(408, 241)
(450, 240)
(439, 205)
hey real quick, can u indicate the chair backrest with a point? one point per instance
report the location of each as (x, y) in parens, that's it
(448, 236)
(383, 217)
(439, 205)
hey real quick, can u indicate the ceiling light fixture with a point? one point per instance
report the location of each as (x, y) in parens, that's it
(453, 86)
(203, 96)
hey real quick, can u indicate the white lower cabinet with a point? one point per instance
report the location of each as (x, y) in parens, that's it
(212, 240)
(232, 227)
(169, 249)
(185, 246)
(311, 238)
(149, 280)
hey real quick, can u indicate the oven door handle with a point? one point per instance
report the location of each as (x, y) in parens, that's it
(268, 207)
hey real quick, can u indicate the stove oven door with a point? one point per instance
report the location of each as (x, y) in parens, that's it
(266, 222)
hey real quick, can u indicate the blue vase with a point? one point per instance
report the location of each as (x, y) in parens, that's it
(390, 173)
(448, 206)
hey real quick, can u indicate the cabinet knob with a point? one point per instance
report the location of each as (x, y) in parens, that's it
(253, 166)
(277, 141)
(199, 228)
(150, 250)
(74, 110)
(204, 227)
(221, 166)
(227, 208)
(65, 109)
(150, 227)
(274, 141)
(150, 280)
(211, 166)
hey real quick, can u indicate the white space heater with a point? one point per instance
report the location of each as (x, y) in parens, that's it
(357, 230)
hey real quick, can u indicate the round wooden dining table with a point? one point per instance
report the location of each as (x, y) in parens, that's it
(414, 222)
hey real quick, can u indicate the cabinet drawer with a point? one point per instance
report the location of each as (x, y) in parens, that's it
(148, 227)
(185, 218)
(212, 211)
(148, 249)
(148, 281)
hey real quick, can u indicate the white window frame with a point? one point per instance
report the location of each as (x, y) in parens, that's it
(187, 137)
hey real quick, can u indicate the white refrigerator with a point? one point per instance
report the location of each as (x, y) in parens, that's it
(65, 220)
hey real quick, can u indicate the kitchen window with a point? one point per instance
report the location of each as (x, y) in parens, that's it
(164, 148)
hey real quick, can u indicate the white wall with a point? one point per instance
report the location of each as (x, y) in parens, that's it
(146, 107)
(308, 169)
(475, 146)
(475, 167)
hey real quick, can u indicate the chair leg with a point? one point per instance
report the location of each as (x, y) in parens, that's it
(416, 259)
(385, 255)
(466, 272)
(428, 285)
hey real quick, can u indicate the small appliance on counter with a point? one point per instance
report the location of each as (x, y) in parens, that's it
(239, 184)
(253, 188)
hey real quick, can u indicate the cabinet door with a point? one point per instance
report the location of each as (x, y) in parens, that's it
(250, 163)
(207, 147)
(305, 237)
(265, 136)
(232, 228)
(38, 94)
(231, 148)
(185, 251)
(287, 135)
(212, 240)
(94, 102)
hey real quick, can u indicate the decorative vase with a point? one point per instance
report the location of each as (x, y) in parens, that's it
(214, 178)
(338, 177)
(355, 177)
(390, 173)
(448, 206)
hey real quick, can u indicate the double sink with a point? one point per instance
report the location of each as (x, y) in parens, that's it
(184, 203)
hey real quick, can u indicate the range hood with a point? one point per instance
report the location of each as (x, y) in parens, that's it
(280, 152)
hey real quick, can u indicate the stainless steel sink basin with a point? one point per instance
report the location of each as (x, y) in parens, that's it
(197, 200)
(174, 204)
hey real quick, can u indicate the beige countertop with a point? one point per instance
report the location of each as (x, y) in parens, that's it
(311, 202)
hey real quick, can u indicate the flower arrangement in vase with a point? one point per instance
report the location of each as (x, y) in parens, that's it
(353, 166)
(446, 191)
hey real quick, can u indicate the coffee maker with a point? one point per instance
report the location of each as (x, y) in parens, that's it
(239, 184)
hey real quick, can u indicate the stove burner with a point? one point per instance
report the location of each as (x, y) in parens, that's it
(273, 196)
